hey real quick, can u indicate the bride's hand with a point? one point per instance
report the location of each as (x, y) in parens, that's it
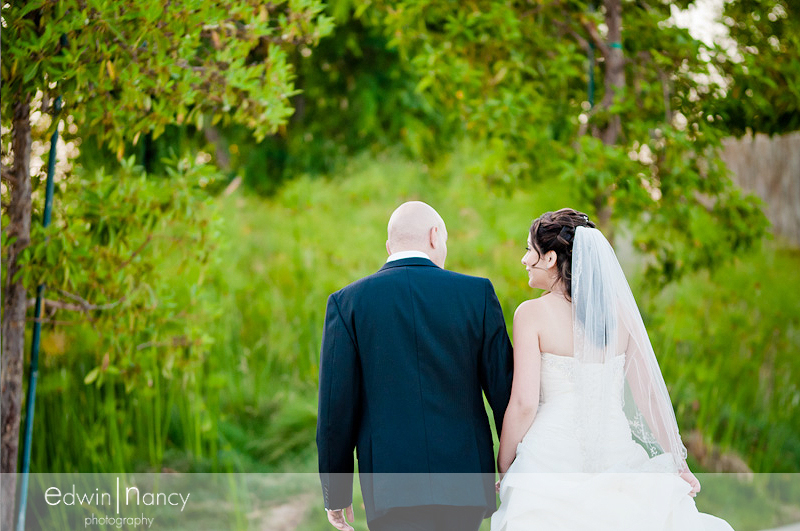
(689, 478)
(497, 484)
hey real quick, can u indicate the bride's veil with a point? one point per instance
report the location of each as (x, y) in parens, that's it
(607, 323)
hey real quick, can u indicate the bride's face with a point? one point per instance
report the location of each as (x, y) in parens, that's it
(537, 274)
(541, 268)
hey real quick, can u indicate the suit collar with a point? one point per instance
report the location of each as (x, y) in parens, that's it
(407, 254)
(414, 261)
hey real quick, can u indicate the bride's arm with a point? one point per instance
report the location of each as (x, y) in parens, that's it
(525, 387)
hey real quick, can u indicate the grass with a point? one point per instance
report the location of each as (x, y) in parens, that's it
(728, 340)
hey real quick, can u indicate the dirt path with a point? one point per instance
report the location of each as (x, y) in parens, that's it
(284, 517)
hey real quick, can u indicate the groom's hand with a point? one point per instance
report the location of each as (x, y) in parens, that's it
(337, 518)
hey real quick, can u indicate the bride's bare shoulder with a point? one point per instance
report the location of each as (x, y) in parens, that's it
(550, 309)
(531, 309)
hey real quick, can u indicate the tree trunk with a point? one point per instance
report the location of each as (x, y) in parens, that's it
(603, 211)
(221, 151)
(615, 68)
(614, 79)
(14, 308)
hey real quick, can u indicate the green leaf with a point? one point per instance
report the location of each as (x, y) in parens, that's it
(92, 376)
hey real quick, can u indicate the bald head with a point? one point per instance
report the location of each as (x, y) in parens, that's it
(416, 226)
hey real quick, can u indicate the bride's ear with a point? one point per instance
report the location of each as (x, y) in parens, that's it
(550, 259)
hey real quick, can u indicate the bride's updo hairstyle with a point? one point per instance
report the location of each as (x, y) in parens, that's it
(555, 231)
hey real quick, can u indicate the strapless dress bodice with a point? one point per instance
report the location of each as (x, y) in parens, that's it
(560, 376)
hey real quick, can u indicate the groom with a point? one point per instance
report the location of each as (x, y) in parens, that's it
(407, 354)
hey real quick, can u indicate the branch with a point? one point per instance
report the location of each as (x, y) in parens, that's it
(7, 176)
(531, 12)
(55, 321)
(584, 128)
(82, 307)
(666, 94)
(89, 306)
(663, 78)
(595, 36)
(566, 27)
(232, 186)
(176, 341)
(61, 305)
(137, 251)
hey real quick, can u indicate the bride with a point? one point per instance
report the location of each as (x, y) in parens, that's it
(589, 439)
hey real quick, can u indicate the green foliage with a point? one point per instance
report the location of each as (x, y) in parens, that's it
(762, 68)
(138, 342)
(735, 377)
(356, 96)
(200, 346)
(516, 77)
(352, 93)
(671, 216)
(126, 69)
(244, 398)
(135, 67)
(309, 255)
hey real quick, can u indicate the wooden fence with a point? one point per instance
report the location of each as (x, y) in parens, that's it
(770, 167)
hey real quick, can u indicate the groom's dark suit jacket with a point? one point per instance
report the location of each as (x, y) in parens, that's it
(406, 354)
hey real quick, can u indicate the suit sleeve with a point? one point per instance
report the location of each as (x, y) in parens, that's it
(339, 391)
(497, 358)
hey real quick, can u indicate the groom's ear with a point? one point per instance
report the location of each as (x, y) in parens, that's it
(388, 251)
(433, 235)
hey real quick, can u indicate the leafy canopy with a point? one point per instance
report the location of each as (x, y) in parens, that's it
(517, 76)
(128, 67)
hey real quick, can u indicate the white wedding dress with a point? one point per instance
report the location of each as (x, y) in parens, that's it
(547, 488)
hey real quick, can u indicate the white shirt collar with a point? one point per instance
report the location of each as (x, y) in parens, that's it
(407, 254)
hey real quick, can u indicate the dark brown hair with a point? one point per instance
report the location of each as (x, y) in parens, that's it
(555, 231)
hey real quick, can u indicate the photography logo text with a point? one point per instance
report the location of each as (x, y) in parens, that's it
(131, 496)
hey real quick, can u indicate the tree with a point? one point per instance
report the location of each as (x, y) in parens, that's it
(761, 67)
(516, 76)
(125, 69)
(357, 95)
